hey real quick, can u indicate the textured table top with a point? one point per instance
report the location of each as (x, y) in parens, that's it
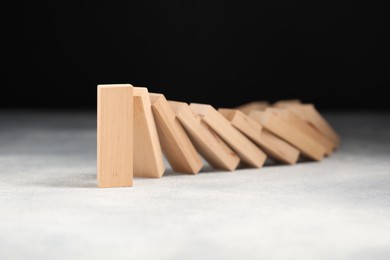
(50, 207)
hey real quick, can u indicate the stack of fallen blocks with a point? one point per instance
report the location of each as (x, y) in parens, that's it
(136, 128)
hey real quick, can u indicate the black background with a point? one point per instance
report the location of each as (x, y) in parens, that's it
(333, 54)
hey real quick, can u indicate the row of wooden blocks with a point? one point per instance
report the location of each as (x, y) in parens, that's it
(136, 128)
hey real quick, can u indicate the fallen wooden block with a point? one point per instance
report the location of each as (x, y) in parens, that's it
(245, 149)
(275, 147)
(303, 126)
(115, 135)
(209, 145)
(255, 105)
(285, 102)
(309, 113)
(148, 157)
(280, 127)
(176, 145)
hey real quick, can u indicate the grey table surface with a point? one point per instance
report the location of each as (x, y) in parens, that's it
(50, 208)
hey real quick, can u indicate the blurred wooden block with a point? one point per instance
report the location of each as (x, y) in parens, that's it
(272, 145)
(245, 149)
(209, 145)
(290, 133)
(285, 102)
(309, 113)
(148, 157)
(175, 143)
(115, 136)
(305, 128)
(255, 105)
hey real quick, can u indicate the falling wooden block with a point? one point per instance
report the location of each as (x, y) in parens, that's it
(115, 136)
(255, 105)
(309, 113)
(305, 128)
(277, 125)
(245, 149)
(272, 145)
(209, 145)
(148, 157)
(175, 143)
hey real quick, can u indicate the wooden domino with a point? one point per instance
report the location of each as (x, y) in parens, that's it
(245, 149)
(251, 106)
(176, 145)
(115, 136)
(290, 133)
(148, 157)
(208, 143)
(275, 147)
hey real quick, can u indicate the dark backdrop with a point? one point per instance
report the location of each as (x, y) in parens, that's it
(225, 53)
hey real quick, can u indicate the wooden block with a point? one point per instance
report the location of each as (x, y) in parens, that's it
(148, 157)
(275, 147)
(304, 127)
(287, 102)
(115, 136)
(280, 127)
(309, 113)
(175, 143)
(245, 149)
(255, 105)
(209, 145)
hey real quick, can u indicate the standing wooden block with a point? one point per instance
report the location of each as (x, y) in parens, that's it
(255, 105)
(245, 149)
(148, 158)
(272, 145)
(175, 143)
(115, 136)
(304, 127)
(310, 114)
(209, 145)
(280, 127)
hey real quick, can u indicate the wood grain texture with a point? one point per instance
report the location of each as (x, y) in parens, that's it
(115, 136)
(245, 149)
(148, 157)
(206, 141)
(280, 127)
(273, 146)
(309, 113)
(176, 145)
(251, 106)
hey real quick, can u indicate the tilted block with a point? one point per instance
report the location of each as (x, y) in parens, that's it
(148, 157)
(275, 147)
(245, 149)
(208, 144)
(251, 106)
(176, 145)
(115, 135)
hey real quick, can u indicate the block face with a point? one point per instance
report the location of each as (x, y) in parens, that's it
(148, 157)
(175, 143)
(253, 106)
(207, 143)
(273, 146)
(245, 149)
(280, 127)
(115, 136)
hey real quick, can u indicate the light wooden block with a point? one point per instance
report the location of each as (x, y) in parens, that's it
(280, 127)
(115, 136)
(176, 145)
(304, 126)
(275, 147)
(245, 149)
(287, 102)
(208, 144)
(255, 105)
(309, 113)
(148, 157)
